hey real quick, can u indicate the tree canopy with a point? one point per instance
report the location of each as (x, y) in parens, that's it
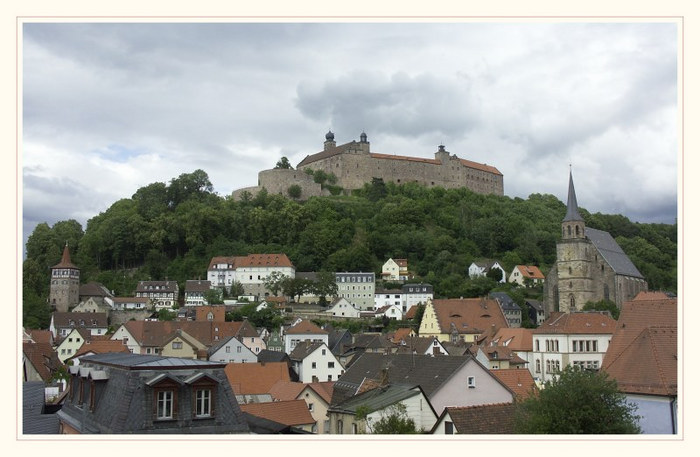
(577, 402)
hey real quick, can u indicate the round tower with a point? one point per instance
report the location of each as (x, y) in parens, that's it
(330, 141)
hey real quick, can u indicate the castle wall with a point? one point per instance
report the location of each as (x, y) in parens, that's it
(278, 181)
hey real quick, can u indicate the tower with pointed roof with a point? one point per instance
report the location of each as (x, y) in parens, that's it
(64, 291)
(590, 266)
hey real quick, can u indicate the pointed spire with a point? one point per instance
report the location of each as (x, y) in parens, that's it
(572, 213)
(65, 259)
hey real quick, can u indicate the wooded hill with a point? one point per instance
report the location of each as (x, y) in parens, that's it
(172, 231)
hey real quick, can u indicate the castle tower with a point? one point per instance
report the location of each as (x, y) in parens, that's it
(574, 285)
(64, 292)
(442, 155)
(364, 144)
(330, 141)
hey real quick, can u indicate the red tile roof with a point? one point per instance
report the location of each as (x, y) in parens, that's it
(517, 339)
(480, 166)
(101, 346)
(256, 378)
(291, 412)
(41, 336)
(65, 260)
(577, 323)
(483, 419)
(404, 158)
(155, 333)
(253, 260)
(306, 327)
(520, 381)
(469, 315)
(42, 357)
(530, 272)
(647, 330)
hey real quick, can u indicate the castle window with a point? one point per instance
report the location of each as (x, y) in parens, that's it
(577, 230)
(568, 229)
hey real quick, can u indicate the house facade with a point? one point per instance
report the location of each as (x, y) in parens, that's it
(341, 307)
(163, 294)
(526, 275)
(231, 350)
(314, 362)
(63, 323)
(304, 330)
(395, 270)
(357, 288)
(415, 294)
(482, 267)
(250, 271)
(576, 339)
(195, 292)
(465, 320)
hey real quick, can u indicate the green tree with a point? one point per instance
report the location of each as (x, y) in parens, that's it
(274, 282)
(214, 297)
(393, 420)
(325, 286)
(295, 287)
(577, 402)
(284, 164)
(236, 289)
(495, 274)
(603, 305)
(294, 191)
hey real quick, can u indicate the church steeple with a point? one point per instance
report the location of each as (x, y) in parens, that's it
(572, 213)
(572, 226)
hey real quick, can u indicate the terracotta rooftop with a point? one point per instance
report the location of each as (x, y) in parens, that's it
(404, 158)
(517, 339)
(519, 380)
(65, 260)
(100, 347)
(256, 378)
(41, 336)
(480, 166)
(577, 323)
(469, 315)
(155, 333)
(530, 272)
(290, 412)
(306, 327)
(42, 357)
(646, 330)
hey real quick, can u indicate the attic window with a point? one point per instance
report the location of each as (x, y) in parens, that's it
(471, 382)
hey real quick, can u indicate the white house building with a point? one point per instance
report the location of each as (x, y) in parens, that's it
(477, 269)
(303, 330)
(578, 339)
(526, 275)
(250, 271)
(231, 350)
(341, 307)
(357, 288)
(414, 294)
(395, 270)
(163, 294)
(195, 292)
(314, 362)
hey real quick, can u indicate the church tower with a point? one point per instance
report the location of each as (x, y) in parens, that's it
(64, 292)
(574, 282)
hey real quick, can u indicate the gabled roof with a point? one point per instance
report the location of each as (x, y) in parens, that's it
(267, 355)
(428, 372)
(536, 304)
(286, 390)
(65, 260)
(43, 358)
(100, 347)
(197, 285)
(155, 333)
(94, 289)
(530, 272)
(222, 260)
(577, 323)
(612, 253)
(163, 286)
(469, 315)
(647, 331)
(255, 378)
(482, 419)
(290, 412)
(264, 260)
(41, 336)
(61, 319)
(517, 339)
(143, 300)
(304, 349)
(480, 166)
(306, 327)
(519, 380)
(378, 398)
(401, 333)
(417, 344)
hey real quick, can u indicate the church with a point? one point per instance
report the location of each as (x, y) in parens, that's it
(590, 266)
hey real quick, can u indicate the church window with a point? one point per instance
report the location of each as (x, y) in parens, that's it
(572, 301)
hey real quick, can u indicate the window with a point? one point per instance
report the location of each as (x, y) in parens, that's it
(330, 377)
(203, 403)
(354, 428)
(164, 405)
(177, 344)
(311, 406)
(228, 349)
(238, 349)
(538, 366)
(331, 364)
(471, 382)
(313, 364)
(449, 428)
(340, 427)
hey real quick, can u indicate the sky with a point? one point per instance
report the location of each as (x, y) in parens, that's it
(108, 108)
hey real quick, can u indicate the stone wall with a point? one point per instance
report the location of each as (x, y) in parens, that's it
(278, 181)
(117, 318)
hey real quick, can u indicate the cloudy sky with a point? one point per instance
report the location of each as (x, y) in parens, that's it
(111, 107)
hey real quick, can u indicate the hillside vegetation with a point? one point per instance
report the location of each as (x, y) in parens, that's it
(172, 231)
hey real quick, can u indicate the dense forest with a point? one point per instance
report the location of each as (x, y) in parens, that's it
(172, 231)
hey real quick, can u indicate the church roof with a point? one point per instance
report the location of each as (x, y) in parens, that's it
(612, 253)
(572, 213)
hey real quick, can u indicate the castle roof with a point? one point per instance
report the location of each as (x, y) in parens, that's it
(572, 213)
(65, 260)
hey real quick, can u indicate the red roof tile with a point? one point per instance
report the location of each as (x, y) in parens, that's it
(291, 412)
(530, 272)
(306, 327)
(469, 315)
(517, 339)
(256, 378)
(577, 323)
(520, 381)
(65, 260)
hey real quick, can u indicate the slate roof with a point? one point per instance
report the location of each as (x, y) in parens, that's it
(255, 378)
(163, 286)
(378, 398)
(122, 403)
(43, 358)
(520, 381)
(536, 304)
(34, 421)
(304, 348)
(577, 323)
(428, 372)
(94, 289)
(267, 355)
(643, 352)
(469, 315)
(197, 285)
(289, 412)
(504, 300)
(482, 419)
(612, 253)
(417, 344)
(306, 327)
(572, 213)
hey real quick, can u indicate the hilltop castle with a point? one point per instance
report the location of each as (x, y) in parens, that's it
(354, 165)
